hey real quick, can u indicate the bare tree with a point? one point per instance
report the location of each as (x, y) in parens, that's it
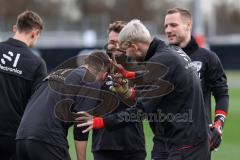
(228, 19)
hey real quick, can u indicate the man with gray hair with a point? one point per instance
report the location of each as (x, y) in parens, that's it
(182, 133)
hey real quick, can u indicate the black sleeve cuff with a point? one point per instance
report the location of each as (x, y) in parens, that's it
(222, 102)
(78, 135)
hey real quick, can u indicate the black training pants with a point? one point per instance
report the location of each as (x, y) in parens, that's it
(119, 155)
(36, 150)
(200, 151)
(7, 148)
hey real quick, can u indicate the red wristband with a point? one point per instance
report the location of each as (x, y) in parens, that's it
(98, 123)
(220, 113)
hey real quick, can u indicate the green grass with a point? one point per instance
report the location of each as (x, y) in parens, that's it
(230, 147)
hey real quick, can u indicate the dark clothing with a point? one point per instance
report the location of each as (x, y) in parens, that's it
(7, 148)
(129, 138)
(119, 155)
(20, 73)
(184, 102)
(36, 150)
(44, 121)
(170, 152)
(211, 73)
(123, 140)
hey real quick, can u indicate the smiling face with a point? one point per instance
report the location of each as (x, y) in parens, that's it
(113, 44)
(177, 29)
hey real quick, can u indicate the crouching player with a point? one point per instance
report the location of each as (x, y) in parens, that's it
(42, 134)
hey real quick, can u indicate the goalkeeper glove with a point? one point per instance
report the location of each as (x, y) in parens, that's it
(217, 130)
(120, 86)
(127, 74)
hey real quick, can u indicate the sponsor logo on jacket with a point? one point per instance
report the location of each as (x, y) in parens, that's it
(9, 62)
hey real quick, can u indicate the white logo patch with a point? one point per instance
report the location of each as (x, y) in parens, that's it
(197, 65)
(14, 61)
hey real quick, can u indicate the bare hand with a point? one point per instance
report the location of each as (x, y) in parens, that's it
(85, 119)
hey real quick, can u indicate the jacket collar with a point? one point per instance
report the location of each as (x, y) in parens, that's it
(153, 47)
(16, 42)
(191, 46)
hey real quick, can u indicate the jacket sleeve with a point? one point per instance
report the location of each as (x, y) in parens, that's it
(40, 73)
(81, 103)
(145, 107)
(135, 114)
(217, 81)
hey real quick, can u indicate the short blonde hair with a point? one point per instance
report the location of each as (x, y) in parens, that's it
(134, 31)
(183, 12)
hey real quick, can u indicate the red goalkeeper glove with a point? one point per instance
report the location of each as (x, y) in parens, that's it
(121, 87)
(217, 130)
(127, 74)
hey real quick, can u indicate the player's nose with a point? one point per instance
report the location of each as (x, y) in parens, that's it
(168, 30)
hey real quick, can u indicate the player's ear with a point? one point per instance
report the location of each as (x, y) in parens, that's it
(134, 46)
(189, 25)
(35, 33)
(32, 34)
(14, 29)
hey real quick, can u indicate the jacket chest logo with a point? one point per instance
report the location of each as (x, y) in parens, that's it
(197, 65)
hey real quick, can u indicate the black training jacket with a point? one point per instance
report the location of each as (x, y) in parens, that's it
(48, 115)
(211, 73)
(181, 114)
(20, 73)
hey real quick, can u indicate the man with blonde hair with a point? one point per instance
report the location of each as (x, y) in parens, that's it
(178, 29)
(176, 98)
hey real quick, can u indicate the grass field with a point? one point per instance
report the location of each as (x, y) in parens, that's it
(230, 147)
